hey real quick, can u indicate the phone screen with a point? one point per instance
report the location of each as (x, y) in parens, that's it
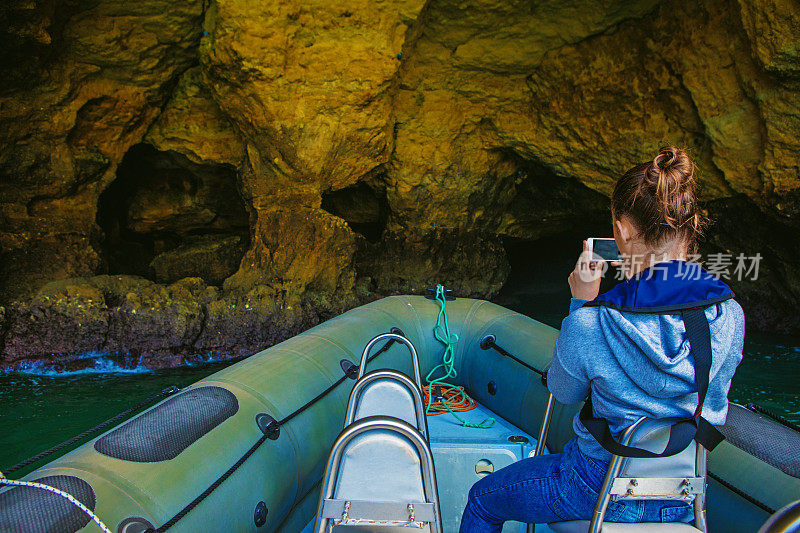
(606, 249)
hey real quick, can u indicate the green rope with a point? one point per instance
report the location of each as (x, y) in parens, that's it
(442, 333)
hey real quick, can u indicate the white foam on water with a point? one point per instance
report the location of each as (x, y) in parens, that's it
(203, 359)
(95, 363)
(100, 363)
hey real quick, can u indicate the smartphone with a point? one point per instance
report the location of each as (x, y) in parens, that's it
(603, 249)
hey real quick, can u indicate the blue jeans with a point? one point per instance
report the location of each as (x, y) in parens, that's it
(555, 488)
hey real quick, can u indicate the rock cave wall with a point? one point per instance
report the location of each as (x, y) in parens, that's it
(215, 175)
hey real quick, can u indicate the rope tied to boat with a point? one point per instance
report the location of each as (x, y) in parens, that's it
(450, 398)
(69, 497)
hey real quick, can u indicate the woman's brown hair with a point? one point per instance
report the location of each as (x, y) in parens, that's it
(659, 198)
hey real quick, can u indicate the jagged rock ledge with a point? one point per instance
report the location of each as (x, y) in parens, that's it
(145, 323)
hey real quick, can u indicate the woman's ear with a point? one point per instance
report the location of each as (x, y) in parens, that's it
(623, 228)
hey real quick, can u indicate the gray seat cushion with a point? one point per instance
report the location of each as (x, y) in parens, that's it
(582, 526)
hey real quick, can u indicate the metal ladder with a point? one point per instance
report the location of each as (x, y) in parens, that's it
(380, 475)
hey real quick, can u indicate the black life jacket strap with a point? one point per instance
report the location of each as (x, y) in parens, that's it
(684, 430)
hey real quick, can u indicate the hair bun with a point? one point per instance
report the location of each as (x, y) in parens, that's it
(670, 179)
(672, 157)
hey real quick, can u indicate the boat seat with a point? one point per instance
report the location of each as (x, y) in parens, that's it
(681, 477)
(387, 393)
(379, 478)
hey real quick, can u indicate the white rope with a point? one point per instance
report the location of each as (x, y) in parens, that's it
(70, 497)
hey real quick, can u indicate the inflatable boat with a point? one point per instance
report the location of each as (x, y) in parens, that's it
(248, 448)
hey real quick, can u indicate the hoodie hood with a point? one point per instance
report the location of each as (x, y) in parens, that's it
(666, 287)
(642, 323)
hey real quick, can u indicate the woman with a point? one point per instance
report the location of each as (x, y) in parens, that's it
(631, 364)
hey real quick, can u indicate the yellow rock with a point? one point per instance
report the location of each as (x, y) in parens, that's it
(379, 145)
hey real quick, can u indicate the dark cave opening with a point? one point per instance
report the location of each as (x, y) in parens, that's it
(545, 203)
(165, 218)
(537, 282)
(363, 207)
(551, 216)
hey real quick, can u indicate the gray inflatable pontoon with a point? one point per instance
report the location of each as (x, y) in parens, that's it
(246, 449)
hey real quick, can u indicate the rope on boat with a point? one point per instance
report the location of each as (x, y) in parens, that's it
(490, 342)
(740, 492)
(38, 457)
(69, 497)
(447, 396)
(266, 436)
(773, 415)
(221, 479)
(451, 397)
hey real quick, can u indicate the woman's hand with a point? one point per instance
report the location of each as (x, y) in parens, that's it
(584, 281)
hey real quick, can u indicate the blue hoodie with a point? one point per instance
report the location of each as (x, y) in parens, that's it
(639, 364)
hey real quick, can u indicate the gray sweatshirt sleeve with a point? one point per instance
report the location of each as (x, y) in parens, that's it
(567, 378)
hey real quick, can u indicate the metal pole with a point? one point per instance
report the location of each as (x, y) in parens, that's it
(394, 425)
(613, 471)
(397, 338)
(700, 499)
(542, 439)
